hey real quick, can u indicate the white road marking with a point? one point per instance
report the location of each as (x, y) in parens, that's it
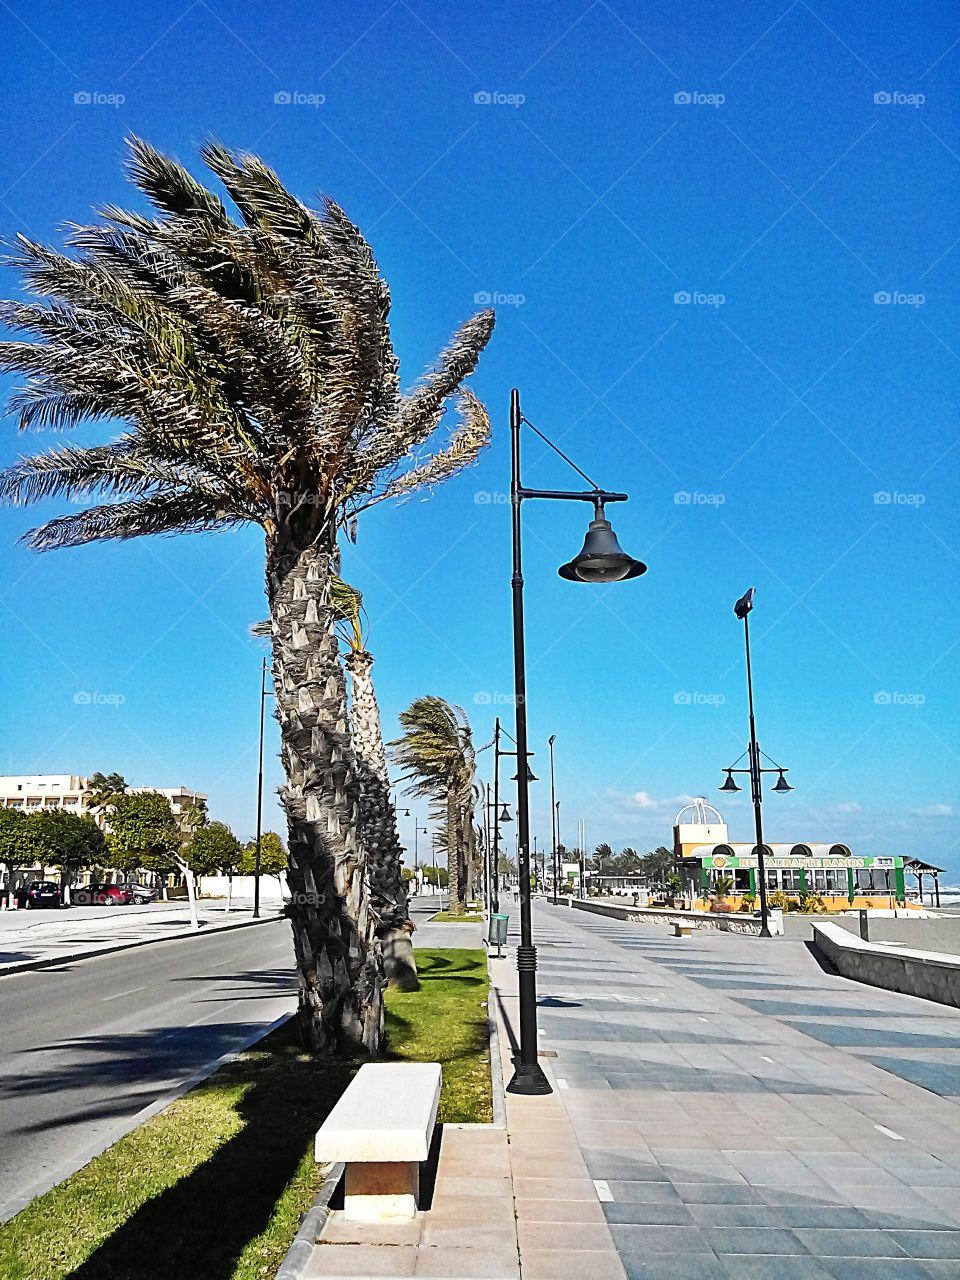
(603, 1190)
(701, 1019)
(120, 994)
(765, 1058)
(561, 1083)
(897, 1137)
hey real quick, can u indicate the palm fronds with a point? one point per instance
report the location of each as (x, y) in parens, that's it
(249, 359)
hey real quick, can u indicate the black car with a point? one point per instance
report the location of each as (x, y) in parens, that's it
(39, 893)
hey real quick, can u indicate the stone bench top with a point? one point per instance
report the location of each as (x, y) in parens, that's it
(386, 1115)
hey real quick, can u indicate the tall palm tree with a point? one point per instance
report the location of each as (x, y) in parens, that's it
(251, 362)
(436, 752)
(388, 889)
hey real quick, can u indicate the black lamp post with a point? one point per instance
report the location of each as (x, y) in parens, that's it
(755, 767)
(600, 560)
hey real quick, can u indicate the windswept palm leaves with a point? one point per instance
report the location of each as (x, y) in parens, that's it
(251, 363)
(436, 754)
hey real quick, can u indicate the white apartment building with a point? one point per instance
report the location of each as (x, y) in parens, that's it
(69, 791)
(35, 792)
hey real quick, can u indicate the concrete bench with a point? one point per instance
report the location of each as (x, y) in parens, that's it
(682, 929)
(381, 1129)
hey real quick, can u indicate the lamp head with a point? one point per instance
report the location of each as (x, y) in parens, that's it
(729, 785)
(744, 604)
(504, 815)
(782, 784)
(601, 559)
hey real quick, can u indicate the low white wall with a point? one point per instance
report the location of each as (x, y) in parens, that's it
(932, 975)
(732, 922)
(272, 888)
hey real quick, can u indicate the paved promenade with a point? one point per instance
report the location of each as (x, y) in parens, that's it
(740, 1112)
(724, 1110)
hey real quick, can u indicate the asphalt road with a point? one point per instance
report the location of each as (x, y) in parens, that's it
(85, 1047)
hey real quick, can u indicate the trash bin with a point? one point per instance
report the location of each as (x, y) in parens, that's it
(498, 931)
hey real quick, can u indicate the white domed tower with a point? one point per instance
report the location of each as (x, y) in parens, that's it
(697, 824)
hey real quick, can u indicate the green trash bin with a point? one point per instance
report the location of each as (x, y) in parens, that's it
(498, 932)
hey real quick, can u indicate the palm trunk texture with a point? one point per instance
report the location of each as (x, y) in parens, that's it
(388, 890)
(338, 953)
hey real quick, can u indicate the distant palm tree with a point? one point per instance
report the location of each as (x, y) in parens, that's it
(252, 364)
(436, 752)
(192, 817)
(101, 789)
(378, 817)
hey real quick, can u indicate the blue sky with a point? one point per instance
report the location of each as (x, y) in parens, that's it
(786, 167)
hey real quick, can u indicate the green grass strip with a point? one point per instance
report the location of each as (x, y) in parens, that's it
(215, 1184)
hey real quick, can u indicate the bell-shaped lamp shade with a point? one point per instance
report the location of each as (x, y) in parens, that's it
(531, 776)
(729, 785)
(504, 815)
(601, 558)
(782, 784)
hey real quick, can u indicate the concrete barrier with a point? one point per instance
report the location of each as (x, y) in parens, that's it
(732, 922)
(931, 975)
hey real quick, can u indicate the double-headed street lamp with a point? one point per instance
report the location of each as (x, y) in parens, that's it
(601, 559)
(755, 767)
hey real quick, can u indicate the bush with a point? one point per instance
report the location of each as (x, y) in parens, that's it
(748, 902)
(813, 903)
(779, 900)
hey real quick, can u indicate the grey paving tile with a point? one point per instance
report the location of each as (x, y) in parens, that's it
(613, 1163)
(756, 1240)
(638, 1213)
(684, 1266)
(824, 1242)
(929, 1244)
(838, 1216)
(719, 1193)
(637, 1240)
(746, 1266)
(735, 1215)
(644, 1192)
(880, 1269)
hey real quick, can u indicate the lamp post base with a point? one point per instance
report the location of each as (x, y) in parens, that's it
(529, 1079)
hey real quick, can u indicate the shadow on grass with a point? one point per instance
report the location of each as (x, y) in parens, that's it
(201, 1225)
(235, 1213)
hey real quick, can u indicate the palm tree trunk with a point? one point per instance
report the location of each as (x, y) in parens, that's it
(338, 955)
(388, 891)
(454, 859)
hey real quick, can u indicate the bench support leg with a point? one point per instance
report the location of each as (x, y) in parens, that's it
(380, 1192)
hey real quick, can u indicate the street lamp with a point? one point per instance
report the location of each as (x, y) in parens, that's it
(755, 767)
(601, 559)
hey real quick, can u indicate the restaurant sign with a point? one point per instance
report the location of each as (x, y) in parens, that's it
(722, 860)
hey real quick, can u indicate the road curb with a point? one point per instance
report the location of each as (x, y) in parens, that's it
(26, 965)
(298, 1256)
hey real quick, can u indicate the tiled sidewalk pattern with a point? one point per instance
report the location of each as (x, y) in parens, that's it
(723, 1109)
(744, 1114)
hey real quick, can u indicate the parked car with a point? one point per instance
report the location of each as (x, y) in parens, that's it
(101, 895)
(39, 893)
(140, 893)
